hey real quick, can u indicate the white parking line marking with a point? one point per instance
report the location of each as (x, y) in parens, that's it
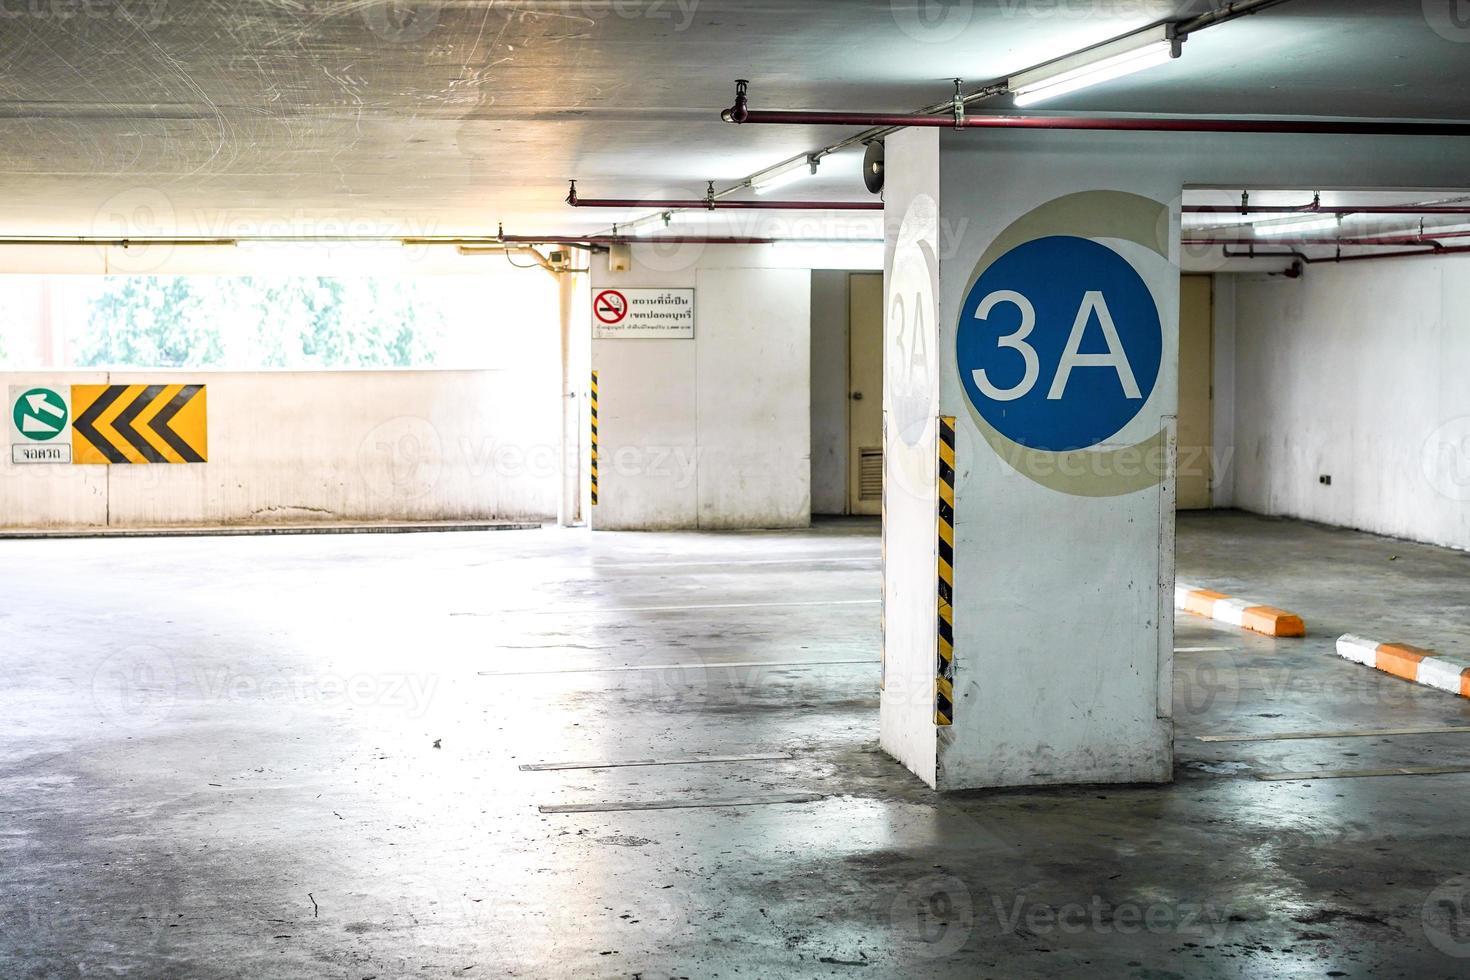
(1283, 736)
(693, 666)
(720, 561)
(1363, 773)
(690, 761)
(680, 804)
(562, 611)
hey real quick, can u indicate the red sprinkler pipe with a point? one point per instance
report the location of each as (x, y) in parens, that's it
(1309, 260)
(741, 113)
(1253, 254)
(1425, 239)
(681, 240)
(1156, 124)
(714, 204)
(702, 205)
(591, 241)
(596, 240)
(1323, 209)
(1402, 253)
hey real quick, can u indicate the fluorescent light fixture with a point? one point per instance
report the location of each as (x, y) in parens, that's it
(1298, 226)
(1218, 220)
(787, 173)
(1103, 63)
(644, 226)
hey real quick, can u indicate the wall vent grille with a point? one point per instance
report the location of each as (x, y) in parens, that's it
(870, 473)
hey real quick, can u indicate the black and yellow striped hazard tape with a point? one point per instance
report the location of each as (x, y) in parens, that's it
(594, 438)
(944, 666)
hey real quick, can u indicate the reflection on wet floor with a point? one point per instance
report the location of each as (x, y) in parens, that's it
(548, 754)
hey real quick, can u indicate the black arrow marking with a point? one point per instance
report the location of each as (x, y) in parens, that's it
(123, 424)
(86, 423)
(159, 424)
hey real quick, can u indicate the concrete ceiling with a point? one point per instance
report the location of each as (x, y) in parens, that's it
(336, 117)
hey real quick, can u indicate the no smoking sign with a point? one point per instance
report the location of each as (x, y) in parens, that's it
(643, 314)
(610, 306)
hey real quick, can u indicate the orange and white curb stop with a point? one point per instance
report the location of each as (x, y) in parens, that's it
(1409, 662)
(1238, 612)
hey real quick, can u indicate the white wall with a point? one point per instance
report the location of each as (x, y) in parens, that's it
(328, 446)
(829, 391)
(713, 432)
(1358, 371)
(1222, 401)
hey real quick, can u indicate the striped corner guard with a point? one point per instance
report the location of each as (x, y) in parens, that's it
(944, 664)
(594, 438)
(1238, 612)
(1409, 662)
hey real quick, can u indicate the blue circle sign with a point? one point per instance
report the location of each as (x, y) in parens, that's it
(1059, 343)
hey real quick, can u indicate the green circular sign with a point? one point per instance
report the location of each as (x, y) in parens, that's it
(40, 414)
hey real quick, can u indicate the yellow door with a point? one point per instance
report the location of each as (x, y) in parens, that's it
(865, 393)
(1196, 373)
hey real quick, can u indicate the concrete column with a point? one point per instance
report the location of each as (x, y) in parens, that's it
(569, 496)
(1032, 299)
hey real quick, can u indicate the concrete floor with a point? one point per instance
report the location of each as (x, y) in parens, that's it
(219, 760)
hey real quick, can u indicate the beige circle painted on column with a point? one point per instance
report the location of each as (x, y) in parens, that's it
(911, 343)
(1084, 473)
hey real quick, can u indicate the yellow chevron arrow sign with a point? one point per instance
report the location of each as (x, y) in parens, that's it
(139, 424)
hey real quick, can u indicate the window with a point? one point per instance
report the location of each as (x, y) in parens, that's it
(269, 322)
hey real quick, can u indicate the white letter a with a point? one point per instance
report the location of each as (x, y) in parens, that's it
(1115, 358)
